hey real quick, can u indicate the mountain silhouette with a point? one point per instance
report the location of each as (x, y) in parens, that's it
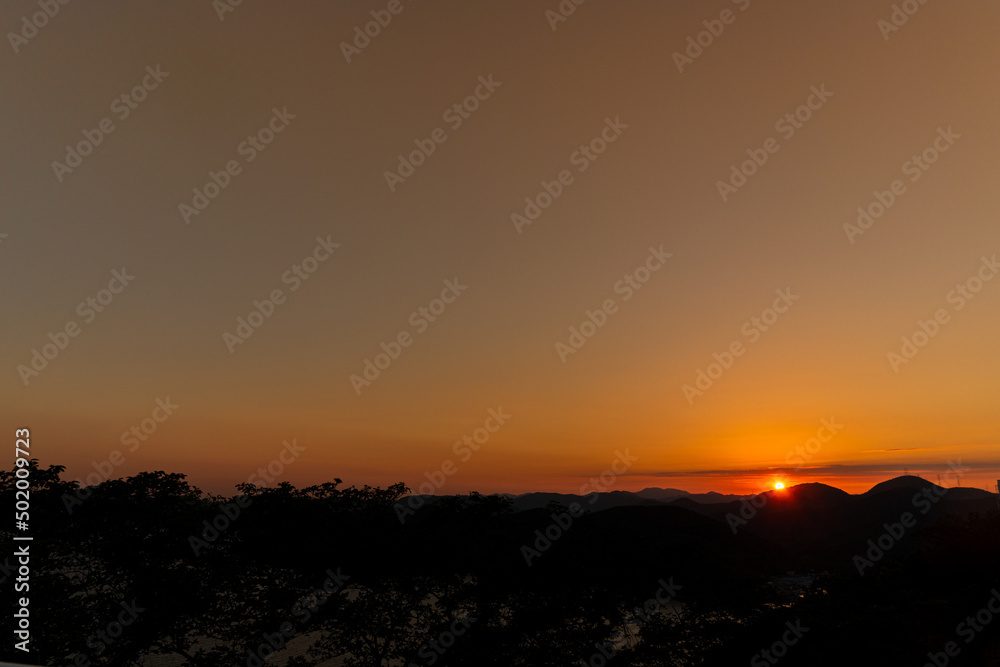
(909, 482)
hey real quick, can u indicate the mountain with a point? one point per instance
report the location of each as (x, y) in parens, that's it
(907, 482)
(812, 495)
(808, 526)
(594, 502)
(667, 495)
(824, 525)
(653, 493)
(607, 500)
(918, 484)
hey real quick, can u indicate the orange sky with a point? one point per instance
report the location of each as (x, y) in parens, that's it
(606, 77)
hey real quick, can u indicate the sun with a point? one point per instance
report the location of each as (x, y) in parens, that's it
(779, 485)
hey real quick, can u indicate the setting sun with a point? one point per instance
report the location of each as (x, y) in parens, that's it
(779, 485)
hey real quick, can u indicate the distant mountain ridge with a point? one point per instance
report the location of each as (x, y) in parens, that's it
(811, 525)
(609, 499)
(654, 493)
(713, 504)
(717, 505)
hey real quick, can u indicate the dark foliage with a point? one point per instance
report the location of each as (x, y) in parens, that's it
(212, 580)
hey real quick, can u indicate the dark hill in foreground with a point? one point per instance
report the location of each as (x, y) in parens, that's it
(825, 527)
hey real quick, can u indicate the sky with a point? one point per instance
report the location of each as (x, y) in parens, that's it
(633, 229)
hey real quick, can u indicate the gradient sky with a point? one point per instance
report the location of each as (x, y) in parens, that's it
(495, 346)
